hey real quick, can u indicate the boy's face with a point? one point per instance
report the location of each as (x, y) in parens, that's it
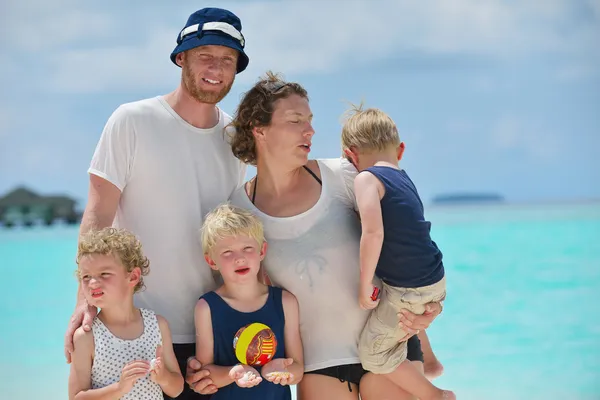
(105, 281)
(237, 258)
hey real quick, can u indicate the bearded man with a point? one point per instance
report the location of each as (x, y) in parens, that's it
(160, 166)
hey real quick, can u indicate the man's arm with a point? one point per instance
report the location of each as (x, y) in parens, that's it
(103, 200)
(369, 192)
(100, 210)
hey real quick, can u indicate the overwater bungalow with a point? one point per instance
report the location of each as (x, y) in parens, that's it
(22, 206)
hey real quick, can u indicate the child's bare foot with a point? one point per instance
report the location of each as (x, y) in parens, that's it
(433, 369)
(441, 395)
(448, 395)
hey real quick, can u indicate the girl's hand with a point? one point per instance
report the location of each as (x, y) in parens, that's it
(158, 372)
(276, 371)
(131, 372)
(245, 376)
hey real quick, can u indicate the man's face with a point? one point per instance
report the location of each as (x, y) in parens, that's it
(208, 72)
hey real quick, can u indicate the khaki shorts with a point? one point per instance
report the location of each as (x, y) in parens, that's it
(379, 347)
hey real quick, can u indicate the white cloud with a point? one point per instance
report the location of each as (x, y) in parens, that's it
(512, 133)
(121, 67)
(294, 38)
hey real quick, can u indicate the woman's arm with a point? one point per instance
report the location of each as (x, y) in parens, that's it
(293, 340)
(413, 323)
(167, 374)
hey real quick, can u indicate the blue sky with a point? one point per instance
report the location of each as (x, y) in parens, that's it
(489, 95)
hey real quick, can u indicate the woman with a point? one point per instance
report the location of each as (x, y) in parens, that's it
(308, 211)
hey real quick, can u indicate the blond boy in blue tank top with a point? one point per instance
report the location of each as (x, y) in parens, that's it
(395, 245)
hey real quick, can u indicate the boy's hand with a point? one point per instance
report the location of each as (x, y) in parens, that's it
(131, 372)
(276, 371)
(158, 372)
(245, 376)
(365, 300)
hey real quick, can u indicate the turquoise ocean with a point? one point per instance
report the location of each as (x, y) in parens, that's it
(521, 321)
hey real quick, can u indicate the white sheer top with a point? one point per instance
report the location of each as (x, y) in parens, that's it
(315, 255)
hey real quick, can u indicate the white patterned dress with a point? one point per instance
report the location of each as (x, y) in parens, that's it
(111, 354)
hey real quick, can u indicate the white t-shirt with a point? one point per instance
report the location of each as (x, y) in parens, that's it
(171, 175)
(315, 255)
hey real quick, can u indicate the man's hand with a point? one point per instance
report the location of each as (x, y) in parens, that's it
(413, 323)
(198, 379)
(82, 316)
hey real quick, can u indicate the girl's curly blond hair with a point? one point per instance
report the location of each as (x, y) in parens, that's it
(256, 110)
(119, 243)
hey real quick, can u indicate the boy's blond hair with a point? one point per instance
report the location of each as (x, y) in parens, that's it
(368, 130)
(227, 220)
(119, 243)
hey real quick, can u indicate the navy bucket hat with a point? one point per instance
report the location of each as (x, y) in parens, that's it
(212, 26)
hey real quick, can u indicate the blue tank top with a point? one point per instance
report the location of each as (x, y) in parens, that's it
(226, 322)
(409, 258)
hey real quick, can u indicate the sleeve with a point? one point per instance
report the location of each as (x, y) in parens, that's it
(242, 174)
(113, 157)
(348, 173)
(242, 167)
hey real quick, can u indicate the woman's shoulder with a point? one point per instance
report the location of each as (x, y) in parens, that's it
(343, 174)
(339, 166)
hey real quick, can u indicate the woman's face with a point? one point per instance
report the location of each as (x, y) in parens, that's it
(289, 136)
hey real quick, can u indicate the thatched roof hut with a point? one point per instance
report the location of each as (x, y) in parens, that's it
(23, 206)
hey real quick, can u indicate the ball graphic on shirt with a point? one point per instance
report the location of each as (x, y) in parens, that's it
(255, 344)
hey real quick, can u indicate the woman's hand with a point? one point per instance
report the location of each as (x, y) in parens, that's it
(413, 323)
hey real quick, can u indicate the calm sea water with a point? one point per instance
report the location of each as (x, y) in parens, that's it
(521, 321)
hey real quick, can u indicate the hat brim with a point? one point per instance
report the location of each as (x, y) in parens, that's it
(214, 39)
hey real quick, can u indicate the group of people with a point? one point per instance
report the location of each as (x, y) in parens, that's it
(334, 255)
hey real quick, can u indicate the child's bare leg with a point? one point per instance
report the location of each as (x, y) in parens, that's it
(409, 378)
(433, 367)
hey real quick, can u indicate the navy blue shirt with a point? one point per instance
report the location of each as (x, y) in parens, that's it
(409, 258)
(226, 322)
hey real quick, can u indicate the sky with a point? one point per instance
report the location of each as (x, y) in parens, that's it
(489, 95)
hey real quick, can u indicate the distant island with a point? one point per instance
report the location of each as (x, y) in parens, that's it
(468, 198)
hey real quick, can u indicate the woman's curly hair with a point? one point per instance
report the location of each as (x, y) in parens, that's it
(119, 243)
(256, 109)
